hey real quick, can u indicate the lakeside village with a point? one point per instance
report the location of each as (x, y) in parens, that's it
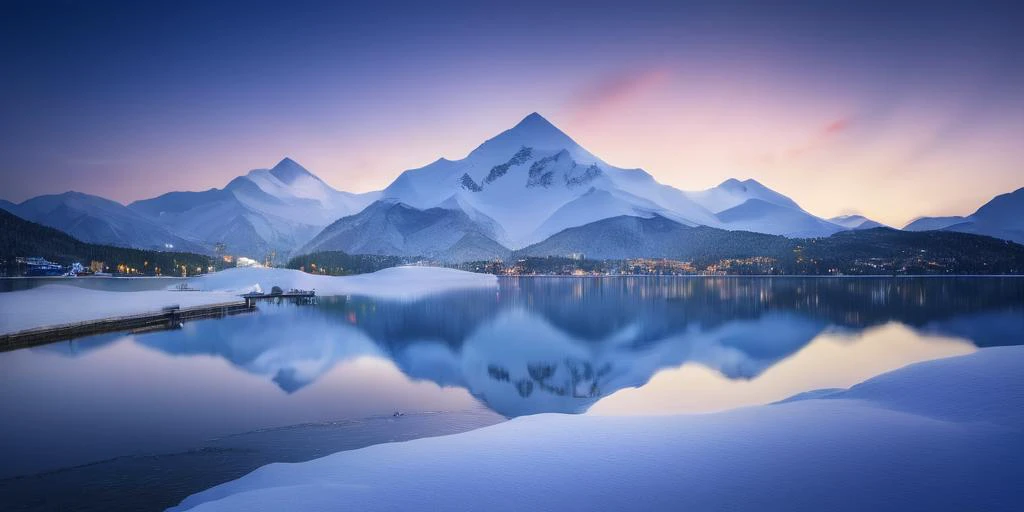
(576, 264)
(37, 266)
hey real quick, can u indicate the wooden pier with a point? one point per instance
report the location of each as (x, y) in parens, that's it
(168, 318)
(296, 296)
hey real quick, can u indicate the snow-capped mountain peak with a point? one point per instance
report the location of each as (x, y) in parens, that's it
(288, 171)
(534, 180)
(535, 132)
(733, 184)
(265, 210)
(289, 182)
(525, 178)
(733, 192)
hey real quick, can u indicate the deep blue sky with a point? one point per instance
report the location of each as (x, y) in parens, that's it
(131, 99)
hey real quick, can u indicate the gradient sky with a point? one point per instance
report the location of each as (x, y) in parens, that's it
(889, 109)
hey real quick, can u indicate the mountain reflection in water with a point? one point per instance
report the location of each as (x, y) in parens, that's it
(561, 344)
(534, 345)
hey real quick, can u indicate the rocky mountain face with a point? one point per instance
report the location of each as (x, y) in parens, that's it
(392, 228)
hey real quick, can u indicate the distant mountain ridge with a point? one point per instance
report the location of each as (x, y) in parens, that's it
(733, 192)
(20, 237)
(97, 220)
(266, 211)
(872, 251)
(1002, 217)
(263, 212)
(856, 222)
(626, 237)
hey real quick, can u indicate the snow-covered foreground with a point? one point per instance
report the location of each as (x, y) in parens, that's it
(58, 304)
(938, 435)
(390, 283)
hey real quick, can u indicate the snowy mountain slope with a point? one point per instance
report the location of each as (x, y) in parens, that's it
(933, 223)
(1002, 217)
(1004, 209)
(748, 205)
(855, 222)
(655, 237)
(525, 176)
(177, 202)
(243, 232)
(732, 192)
(394, 228)
(596, 205)
(267, 210)
(487, 224)
(97, 220)
(762, 216)
(533, 180)
(291, 192)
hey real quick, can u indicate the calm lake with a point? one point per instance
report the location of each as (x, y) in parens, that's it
(140, 421)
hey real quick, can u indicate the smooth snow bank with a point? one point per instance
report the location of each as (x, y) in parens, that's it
(939, 435)
(392, 283)
(58, 304)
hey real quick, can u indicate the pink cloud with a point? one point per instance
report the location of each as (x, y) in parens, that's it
(614, 91)
(836, 126)
(820, 138)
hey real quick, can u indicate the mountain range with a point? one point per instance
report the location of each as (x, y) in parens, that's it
(96, 220)
(20, 237)
(626, 237)
(267, 210)
(519, 191)
(1002, 217)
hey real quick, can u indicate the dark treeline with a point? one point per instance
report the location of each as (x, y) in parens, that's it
(890, 251)
(338, 263)
(879, 251)
(21, 238)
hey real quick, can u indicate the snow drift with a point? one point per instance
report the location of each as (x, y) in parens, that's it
(936, 435)
(391, 283)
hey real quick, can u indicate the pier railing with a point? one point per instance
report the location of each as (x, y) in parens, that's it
(168, 318)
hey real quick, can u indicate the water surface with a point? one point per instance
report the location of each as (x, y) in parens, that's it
(338, 372)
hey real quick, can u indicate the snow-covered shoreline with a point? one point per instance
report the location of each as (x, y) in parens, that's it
(62, 304)
(59, 304)
(407, 282)
(929, 436)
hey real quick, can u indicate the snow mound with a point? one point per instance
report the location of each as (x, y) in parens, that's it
(58, 304)
(391, 283)
(930, 436)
